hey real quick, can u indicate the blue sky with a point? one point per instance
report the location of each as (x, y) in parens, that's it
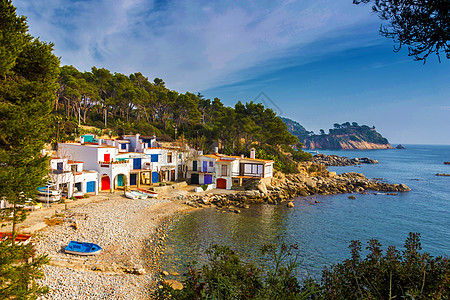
(318, 62)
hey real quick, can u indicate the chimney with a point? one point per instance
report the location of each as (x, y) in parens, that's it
(99, 141)
(252, 153)
(82, 139)
(216, 150)
(242, 155)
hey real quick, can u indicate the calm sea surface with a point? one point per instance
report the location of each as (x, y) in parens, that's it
(323, 231)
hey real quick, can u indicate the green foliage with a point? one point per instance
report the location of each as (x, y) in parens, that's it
(301, 156)
(295, 128)
(422, 25)
(19, 267)
(282, 162)
(27, 89)
(204, 187)
(400, 275)
(226, 276)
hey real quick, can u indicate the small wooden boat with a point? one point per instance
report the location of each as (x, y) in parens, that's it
(446, 162)
(149, 193)
(131, 195)
(82, 248)
(45, 194)
(20, 238)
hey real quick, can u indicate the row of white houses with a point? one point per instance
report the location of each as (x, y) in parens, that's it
(93, 165)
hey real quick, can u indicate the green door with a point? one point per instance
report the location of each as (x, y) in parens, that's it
(120, 180)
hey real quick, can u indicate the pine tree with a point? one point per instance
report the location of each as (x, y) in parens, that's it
(27, 92)
(28, 73)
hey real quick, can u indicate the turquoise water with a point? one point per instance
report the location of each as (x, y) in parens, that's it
(324, 230)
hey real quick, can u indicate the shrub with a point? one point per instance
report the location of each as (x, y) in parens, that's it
(226, 276)
(400, 275)
(204, 187)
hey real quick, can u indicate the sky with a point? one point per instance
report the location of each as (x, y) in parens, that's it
(318, 62)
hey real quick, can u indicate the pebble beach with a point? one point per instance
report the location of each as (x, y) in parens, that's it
(129, 231)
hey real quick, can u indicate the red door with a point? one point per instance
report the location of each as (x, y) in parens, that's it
(106, 185)
(107, 157)
(221, 183)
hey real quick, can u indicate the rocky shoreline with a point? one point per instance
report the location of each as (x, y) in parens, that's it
(341, 161)
(314, 179)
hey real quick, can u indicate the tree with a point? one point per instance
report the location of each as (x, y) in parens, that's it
(28, 87)
(322, 132)
(422, 25)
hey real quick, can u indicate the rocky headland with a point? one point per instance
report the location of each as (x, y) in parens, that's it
(343, 143)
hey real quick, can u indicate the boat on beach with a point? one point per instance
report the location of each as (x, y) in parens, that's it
(149, 193)
(20, 238)
(82, 248)
(136, 195)
(46, 194)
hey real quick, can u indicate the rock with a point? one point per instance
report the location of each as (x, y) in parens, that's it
(290, 204)
(165, 273)
(404, 188)
(400, 146)
(310, 183)
(176, 285)
(262, 188)
(173, 273)
(352, 197)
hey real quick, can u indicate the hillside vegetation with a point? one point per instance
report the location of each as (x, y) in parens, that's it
(117, 104)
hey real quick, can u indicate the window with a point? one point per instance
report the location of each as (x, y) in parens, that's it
(254, 169)
(154, 157)
(260, 169)
(248, 168)
(73, 168)
(169, 158)
(224, 170)
(211, 164)
(123, 146)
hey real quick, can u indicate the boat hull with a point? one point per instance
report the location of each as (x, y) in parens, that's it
(82, 248)
(20, 238)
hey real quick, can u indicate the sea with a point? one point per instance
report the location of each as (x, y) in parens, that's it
(323, 231)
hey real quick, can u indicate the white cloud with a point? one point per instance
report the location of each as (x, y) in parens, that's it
(191, 45)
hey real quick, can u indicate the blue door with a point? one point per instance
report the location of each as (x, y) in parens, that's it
(208, 178)
(205, 166)
(155, 177)
(133, 179)
(90, 187)
(136, 163)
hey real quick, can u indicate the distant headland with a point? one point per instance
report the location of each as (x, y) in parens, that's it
(346, 136)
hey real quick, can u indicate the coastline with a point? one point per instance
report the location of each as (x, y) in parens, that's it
(130, 235)
(132, 232)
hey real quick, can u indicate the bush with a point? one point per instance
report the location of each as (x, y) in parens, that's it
(204, 187)
(406, 275)
(302, 156)
(226, 276)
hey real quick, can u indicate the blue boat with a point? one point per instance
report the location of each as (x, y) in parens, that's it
(81, 248)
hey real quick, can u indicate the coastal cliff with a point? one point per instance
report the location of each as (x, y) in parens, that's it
(347, 136)
(342, 142)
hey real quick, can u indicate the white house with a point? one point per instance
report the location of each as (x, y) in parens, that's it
(99, 157)
(227, 171)
(68, 174)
